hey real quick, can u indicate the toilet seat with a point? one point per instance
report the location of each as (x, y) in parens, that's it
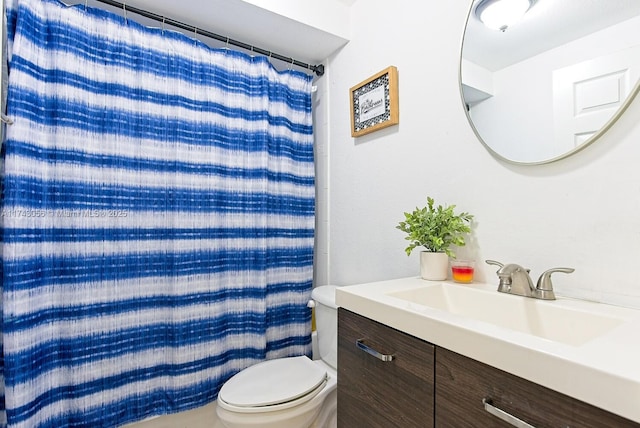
(273, 385)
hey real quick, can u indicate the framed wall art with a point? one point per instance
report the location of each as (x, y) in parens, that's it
(374, 102)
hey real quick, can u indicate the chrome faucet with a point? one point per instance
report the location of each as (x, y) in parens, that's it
(514, 279)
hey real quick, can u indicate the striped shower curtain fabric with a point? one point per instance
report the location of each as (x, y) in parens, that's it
(157, 217)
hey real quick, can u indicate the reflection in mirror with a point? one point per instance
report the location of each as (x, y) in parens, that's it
(553, 82)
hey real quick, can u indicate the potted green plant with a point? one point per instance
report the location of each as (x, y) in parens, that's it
(437, 229)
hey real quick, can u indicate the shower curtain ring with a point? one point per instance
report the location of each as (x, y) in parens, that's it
(86, 2)
(164, 18)
(6, 119)
(124, 10)
(291, 65)
(195, 35)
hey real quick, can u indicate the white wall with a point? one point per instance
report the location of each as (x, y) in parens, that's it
(321, 142)
(580, 212)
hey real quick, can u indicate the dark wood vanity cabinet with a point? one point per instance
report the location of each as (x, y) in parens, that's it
(373, 393)
(426, 386)
(462, 384)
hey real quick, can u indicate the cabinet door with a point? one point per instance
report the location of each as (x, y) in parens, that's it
(374, 393)
(463, 383)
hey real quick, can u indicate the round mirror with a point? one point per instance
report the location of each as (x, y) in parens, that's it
(546, 86)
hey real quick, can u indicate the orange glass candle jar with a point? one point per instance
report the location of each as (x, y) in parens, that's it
(462, 270)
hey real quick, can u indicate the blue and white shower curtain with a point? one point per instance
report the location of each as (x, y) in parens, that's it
(157, 217)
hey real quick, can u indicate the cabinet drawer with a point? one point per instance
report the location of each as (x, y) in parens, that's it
(463, 383)
(375, 393)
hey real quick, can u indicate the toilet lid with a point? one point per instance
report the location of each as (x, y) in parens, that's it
(273, 382)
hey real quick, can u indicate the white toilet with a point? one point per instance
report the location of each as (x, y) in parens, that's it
(293, 392)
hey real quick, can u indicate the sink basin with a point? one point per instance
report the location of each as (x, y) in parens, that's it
(546, 319)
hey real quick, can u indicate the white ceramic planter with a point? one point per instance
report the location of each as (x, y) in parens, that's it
(434, 266)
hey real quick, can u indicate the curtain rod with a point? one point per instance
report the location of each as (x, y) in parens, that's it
(317, 69)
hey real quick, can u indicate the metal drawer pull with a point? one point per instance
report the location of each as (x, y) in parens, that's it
(501, 414)
(383, 357)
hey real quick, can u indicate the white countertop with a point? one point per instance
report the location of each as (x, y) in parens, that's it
(604, 371)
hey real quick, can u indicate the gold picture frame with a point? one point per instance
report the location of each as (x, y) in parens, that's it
(374, 103)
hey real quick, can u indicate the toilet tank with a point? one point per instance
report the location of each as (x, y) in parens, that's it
(326, 323)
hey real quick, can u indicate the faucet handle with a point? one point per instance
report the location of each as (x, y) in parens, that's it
(500, 265)
(493, 262)
(545, 287)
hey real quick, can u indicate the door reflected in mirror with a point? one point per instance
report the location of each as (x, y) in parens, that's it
(553, 82)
